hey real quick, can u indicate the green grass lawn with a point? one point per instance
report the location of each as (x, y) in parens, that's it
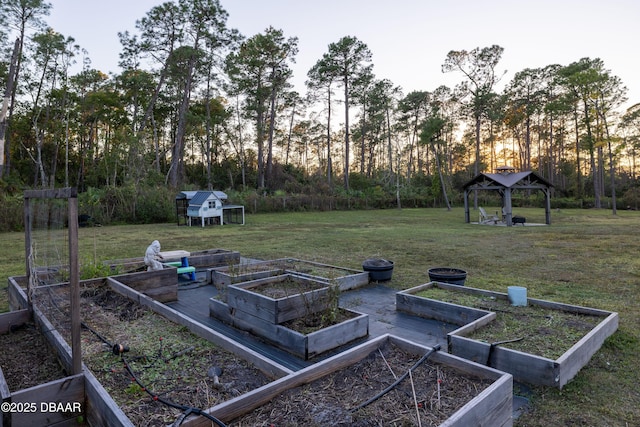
(586, 257)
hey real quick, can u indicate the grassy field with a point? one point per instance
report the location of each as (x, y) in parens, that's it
(585, 257)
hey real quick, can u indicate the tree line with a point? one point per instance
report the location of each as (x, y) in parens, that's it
(199, 105)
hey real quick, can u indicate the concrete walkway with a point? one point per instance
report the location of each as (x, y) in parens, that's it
(376, 300)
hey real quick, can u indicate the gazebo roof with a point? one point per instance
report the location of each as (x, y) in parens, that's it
(513, 180)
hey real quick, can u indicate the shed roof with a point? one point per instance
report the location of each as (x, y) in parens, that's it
(189, 195)
(200, 197)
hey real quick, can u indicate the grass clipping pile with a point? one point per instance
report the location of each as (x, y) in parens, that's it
(163, 361)
(430, 395)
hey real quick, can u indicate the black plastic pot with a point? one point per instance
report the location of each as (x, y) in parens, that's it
(380, 270)
(454, 276)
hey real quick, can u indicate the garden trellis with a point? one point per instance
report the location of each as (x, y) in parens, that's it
(50, 220)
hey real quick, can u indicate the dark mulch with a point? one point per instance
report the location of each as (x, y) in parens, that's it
(286, 287)
(27, 360)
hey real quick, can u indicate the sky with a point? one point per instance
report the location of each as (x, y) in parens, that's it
(409, 39)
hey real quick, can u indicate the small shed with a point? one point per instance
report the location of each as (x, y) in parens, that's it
(504, 181)
(205, 205)
(183, 199)
(209, 206)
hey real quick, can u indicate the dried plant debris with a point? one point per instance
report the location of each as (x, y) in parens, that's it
(27, 360)
(144, 360)
(334, 399)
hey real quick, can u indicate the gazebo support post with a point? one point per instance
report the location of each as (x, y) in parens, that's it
(507, 207)
(547, 207)
(467, 217)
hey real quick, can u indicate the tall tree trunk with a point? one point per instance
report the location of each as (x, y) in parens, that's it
(149, 111)
(293, 115)
(346, 133)
(260, 141)
(208, 132)
(389, 145)
(476, 165)
(362, 140)
(441, 176)
(272, 125)
(177, 166)
(329, 165)
(578, 160)
(4, 117)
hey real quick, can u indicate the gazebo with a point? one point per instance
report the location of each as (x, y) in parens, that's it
(505, 180)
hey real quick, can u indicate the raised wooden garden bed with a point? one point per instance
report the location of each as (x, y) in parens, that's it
(208, 258)
(442, 390)
(496, 334)
(280, 298)
(344, 278)
(161, 285)
(96, 406)
(306, 345)
(166, 356)
(213, 258)
(222, 278)
(31, 377)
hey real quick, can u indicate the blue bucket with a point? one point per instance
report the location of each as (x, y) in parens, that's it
(517, 296)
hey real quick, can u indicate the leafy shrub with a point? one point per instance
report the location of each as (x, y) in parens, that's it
(11, 212)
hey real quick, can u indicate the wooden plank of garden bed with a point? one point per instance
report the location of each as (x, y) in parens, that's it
(336, 335)
(581, 352)
(224, 278)
(576, 309)
(53, 337)
(288, 339)
(443, 311)
(101, 409)
(5, 396)
(65, 390)
(13, 318)
(246, 297)
(160, 284)
(214, 257)
(488, 408)
(530, 368)
(523, 366)
(17, 297)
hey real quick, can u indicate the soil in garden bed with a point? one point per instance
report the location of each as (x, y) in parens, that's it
(164, 360)
(297, 266)
(323, 319)
(285, 288)
(333, 400)
(538, 330)
(27, 359)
